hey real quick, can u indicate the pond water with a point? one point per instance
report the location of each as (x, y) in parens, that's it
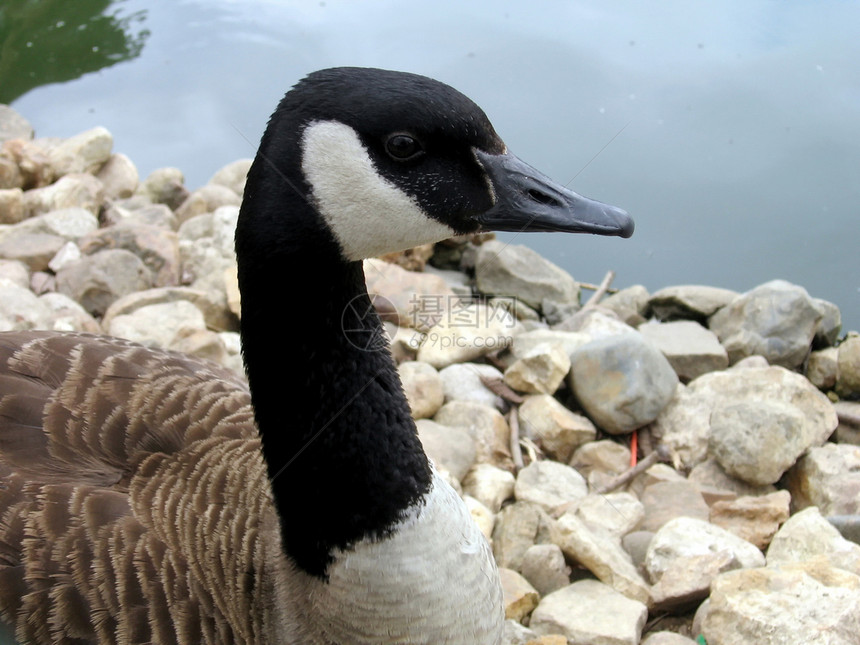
(730, 131)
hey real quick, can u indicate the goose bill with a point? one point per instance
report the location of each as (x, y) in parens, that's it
(528, 200)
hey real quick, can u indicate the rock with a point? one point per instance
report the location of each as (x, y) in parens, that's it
(808, 536)
(475, 331)
(758, 441)
(656, 474)
(821, 368)
(159, 325)
(489, 485)
(449, 447)
(601, 554)
(11, 205)
(483, 516)
(413, 259)
(518, 527)
(549, 484)
(14, 271)
(589, 612)
(519, 272)
(691, 349)
(827, 477)
(10, 175)
(594, 322)
(77, 190)
(233, 175)
(33, 249)
(139, 210)
(485, 425)
(164, 186)
(688, 302)
(520, 597)
(462, 382)
(540, 371)
(770, 606)
(211, 306)
(157, 247)
(687, 537)
(628, 304)
(119, 177)
(68, 315)
(20, 309)
(668, 500)
(687, 581)
(600, 461)
(206, 249)
(684, 426)
(84, 152)
(558, 430)
(544, 567)
(848, 367)
(709, 474)
(206, 199)
(830, 324)
(623, 382)
(848, 430)
(615, 514)
(96, 281)
(636, 544)
(409, 299)
(777, 320)
(13, 125)
(69, 223)
(755, 519)
(68, 253)
(526, 342)
(516, 634)
(423, 388)
(667, 638)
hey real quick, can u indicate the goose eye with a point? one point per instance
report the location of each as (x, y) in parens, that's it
(403, 147)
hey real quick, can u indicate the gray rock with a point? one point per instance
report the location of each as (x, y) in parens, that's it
(777, 320)
(821, 368)
(13, 125)
(709, 474)
(684, 426)
(687, 537)
(848, 430)
(629, 304)
(758, 441)
(68, 223)
(206, 199)
(558, 430)
(656, 474)
(687, 581)
(807, 536)
(462, 382)
(665, 501)
(848, 367)
(774, 606)
(77, 190)
(33, 249)
(84, 152)
(517, 271)
(830, 324)
(233, 175)
(549, 484)
(623, 382)
(590, 612)
(691, 349)
(489, 485)
(119, 177)
(164, 186)
(21, 309)
(600, 461)
(541, 370)
(518, 527)
(158, 248)
(423, 387)
(636, 544)
(688, 302)
(68, 315)
(827, 477)
(755, 519)
(487, 427)
(545, 568)
(449, 447)
(614, 514)
(11, 205)
(139, 210)
(525, 342)
(96, 281)
(594, 322)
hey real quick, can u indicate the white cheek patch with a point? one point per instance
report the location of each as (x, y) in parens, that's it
(368, 215)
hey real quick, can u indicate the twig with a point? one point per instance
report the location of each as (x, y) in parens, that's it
(600, 291)
(660, 454)
(499, 387)
(516, 451)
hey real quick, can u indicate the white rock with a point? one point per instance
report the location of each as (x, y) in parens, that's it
(160, 325)
(119, 177)
(450, 448)
(691, 349)
(828, 477)
(84, 152)
(549, 484)
(807, 535)
(69, 252)
(462, 382)
(233, 175)
(78, 190)
(485, 425)
(20, 309)
(423, 388)
(477, 330)
(489, 485)
(541, 370)
(558, 430)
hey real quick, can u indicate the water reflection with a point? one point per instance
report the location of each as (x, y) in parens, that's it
(51, 41)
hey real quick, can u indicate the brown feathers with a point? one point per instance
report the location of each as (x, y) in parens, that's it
(132, 490)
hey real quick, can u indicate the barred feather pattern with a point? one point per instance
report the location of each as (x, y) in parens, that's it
(133, 496)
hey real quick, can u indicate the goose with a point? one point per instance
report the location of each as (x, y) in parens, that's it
(152, 497)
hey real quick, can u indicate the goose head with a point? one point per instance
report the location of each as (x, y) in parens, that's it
(389, 160)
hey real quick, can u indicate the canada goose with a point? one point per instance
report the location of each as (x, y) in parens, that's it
(139, 503)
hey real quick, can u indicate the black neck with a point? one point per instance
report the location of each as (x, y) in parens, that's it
(342, 450)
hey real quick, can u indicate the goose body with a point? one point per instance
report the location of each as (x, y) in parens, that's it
(150, 497)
